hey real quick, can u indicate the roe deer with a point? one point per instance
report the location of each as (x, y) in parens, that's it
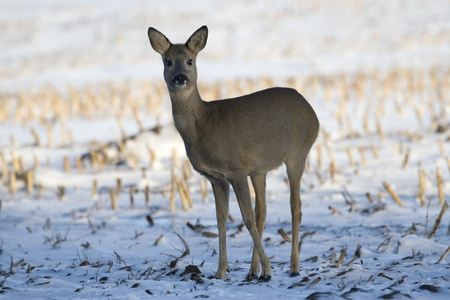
(230, 139)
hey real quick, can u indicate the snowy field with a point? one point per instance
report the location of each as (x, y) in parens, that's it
(97, 199)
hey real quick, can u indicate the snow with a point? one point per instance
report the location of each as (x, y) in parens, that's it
(61, 241)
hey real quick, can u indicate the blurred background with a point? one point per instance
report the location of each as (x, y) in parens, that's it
(74, 42)
(361, 64)
(85, 120)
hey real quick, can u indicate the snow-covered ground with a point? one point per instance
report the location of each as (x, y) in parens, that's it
(77, 75)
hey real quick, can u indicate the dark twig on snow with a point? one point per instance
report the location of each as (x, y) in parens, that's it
(444, 255)
(438, 220)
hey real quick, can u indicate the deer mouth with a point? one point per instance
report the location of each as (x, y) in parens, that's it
(180, 81)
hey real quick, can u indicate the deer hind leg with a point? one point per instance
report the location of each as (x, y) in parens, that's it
(221, 191)
(259, 185)
(295, 172)
(240, 186)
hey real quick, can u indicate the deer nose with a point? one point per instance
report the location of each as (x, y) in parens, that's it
(180, 79)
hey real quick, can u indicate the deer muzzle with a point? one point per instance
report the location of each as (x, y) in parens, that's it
(180, 81)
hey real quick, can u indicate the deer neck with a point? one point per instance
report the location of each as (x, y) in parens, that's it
(188, 111)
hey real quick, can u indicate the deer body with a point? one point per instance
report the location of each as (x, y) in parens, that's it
(231, 139)
(227, 135)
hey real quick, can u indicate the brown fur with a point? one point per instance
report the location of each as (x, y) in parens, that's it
(228, 140)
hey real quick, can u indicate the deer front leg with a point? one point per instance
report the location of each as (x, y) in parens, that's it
(240, 186)
(259, 185)
(221, 191)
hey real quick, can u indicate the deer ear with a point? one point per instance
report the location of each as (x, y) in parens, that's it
(197, 41)
(158, 41)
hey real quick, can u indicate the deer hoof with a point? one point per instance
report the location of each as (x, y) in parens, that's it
(264, 278)
(294, 274)
(219, 275)
(251, 276)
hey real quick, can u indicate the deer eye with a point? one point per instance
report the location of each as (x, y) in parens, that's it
(168, 63)
(189, 62)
